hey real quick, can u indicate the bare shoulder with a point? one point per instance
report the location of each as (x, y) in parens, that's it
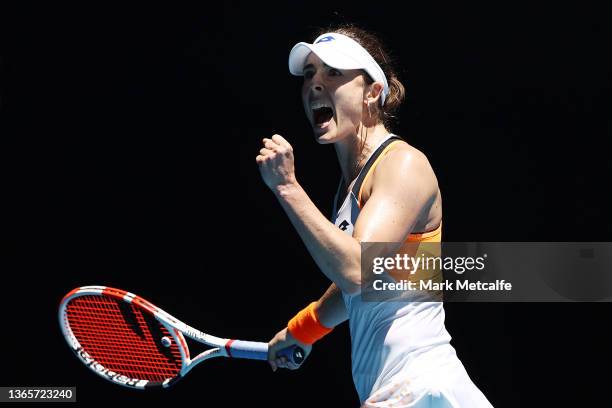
(406, 161)
(404, 170)
(404, 175)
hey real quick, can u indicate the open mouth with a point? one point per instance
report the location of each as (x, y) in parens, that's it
(321, 113)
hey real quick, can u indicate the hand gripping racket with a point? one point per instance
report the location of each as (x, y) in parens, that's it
(127, 340)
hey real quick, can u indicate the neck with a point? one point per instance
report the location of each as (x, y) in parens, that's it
(354, 150)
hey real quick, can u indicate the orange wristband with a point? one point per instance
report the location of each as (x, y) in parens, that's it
(306, 327)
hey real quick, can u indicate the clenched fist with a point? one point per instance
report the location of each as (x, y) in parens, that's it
(275, 162)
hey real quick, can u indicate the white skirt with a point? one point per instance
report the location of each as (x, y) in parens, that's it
(434, 379)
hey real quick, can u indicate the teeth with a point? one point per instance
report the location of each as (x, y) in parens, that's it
(319, 105)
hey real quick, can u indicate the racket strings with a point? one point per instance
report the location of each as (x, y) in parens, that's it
(123, 338)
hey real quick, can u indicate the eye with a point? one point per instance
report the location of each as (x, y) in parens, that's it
(334, 72)
(308, 74)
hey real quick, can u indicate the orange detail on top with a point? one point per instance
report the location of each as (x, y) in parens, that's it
(380, 156)
(429, 236)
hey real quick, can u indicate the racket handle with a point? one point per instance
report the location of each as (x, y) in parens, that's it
(294, 353)
(259, 351)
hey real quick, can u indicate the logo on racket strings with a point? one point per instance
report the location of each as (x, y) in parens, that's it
(111, 375)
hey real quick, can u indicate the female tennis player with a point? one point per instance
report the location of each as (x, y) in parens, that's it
(401, 352)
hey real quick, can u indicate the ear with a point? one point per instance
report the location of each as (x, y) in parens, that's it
(374, 93)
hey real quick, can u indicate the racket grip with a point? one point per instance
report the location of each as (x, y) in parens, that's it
(247, 349)
(259, 351)
(294, 353)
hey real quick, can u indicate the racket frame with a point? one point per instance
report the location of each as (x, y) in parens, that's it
(220, 347)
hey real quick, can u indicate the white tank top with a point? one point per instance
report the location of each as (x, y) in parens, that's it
(386, 337)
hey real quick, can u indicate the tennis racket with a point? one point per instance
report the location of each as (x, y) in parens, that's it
(129, 341)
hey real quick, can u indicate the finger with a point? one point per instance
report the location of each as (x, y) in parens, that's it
(279, 363)
(273, 365)
(292, 366)
(266, 152)
(259, 158)
(281, 141)
(269, 144)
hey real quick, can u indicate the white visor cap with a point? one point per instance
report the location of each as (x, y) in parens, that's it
(340, 52)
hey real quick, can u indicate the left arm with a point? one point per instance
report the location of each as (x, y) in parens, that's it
(393, 208)
(336, 254)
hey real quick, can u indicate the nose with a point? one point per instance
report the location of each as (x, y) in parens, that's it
(316, 83)
(316, 87)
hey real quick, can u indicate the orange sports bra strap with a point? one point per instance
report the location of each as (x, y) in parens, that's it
(429, 236)
(371, 164)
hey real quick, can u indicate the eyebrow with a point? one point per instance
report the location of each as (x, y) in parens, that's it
(307, 66)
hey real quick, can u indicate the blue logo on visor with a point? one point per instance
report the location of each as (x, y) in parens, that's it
(326, 39)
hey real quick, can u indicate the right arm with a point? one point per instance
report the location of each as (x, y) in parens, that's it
(330, 310)
(330, 307)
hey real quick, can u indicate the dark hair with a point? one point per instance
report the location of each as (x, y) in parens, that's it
(385, 113)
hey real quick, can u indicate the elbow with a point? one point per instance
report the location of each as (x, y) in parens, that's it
(352, 289)
(348, 272)
(351, 274)
(351, 285)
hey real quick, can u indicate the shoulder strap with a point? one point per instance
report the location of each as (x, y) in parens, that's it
(368, 166)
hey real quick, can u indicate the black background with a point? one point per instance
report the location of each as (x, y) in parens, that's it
(128, 151)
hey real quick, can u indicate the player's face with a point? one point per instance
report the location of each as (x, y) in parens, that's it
(333, 99)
